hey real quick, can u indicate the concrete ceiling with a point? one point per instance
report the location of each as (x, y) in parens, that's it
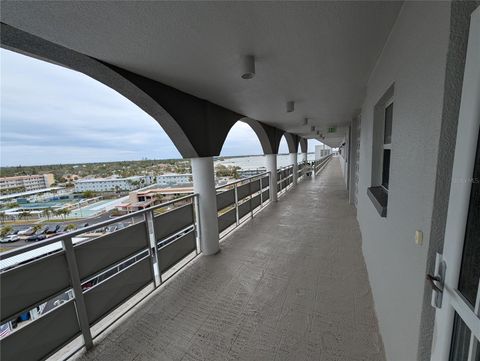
(318, 54)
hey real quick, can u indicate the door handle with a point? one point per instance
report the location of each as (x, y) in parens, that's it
(437, 281)
(432, 280)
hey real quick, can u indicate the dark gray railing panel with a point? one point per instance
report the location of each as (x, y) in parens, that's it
(255, 201)
(41, 337)
(225, 199)
(102, 252)
(31, 283)
(173, 221)
(243, 191)
(265, 195)
(106, 296)
(265, 182)
(226, 220)
(175, 251)
(243, 209)
(255, 186)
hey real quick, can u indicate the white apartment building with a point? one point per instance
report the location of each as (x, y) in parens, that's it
(322, 151)
(112, 184)
(169, 179)
(26, 182)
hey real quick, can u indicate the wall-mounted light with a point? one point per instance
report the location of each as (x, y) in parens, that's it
(318, 132)
(290, 107)
(305, 121)
(312, 128)
(248, 67)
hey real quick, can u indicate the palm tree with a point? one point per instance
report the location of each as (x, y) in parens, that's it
(24, 215)
(70, 227)
(57, 212)
(65, 212)
(6, 230)
(47, 212)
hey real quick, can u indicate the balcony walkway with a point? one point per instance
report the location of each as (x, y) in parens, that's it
(289, 285)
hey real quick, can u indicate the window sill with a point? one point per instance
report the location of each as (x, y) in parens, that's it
(379, 197)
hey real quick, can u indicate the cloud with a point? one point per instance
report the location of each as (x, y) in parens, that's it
(50, 114)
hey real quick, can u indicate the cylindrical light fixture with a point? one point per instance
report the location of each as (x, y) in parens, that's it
(290, 106)
(248, 67)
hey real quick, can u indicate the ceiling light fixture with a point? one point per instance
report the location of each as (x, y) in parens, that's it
(290, 107)
(248, 67)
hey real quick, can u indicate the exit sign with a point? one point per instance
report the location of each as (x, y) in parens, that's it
(332, 130)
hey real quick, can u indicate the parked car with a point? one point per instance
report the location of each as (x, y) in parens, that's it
(10, 238)
(35, 238)
(43, 230)
(26, 232)
(110, 229)
(52, 229)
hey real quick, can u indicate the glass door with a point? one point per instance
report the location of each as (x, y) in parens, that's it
(457, 321)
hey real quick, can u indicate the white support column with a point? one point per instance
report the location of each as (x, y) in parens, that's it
(204, 186)
(272, 168)
(293, 160)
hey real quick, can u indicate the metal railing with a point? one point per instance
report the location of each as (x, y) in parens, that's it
(302, 169)
(317, 165)
(284, 179)
(73, 282)
(240, 200)
(79, 280)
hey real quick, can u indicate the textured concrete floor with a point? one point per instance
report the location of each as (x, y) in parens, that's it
(289, 285)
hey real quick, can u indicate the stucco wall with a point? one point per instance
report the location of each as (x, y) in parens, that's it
(414, 60)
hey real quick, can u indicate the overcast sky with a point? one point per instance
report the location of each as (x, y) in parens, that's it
(51, 115)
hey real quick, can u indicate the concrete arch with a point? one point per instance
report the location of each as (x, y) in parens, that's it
(125, 83)
(261, 133)
(197, 128)
(292, 142)
(304, 145)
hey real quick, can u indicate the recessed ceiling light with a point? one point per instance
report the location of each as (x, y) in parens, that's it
(290, 107)
(248, 67)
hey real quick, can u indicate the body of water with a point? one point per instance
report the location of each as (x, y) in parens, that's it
(259, 161)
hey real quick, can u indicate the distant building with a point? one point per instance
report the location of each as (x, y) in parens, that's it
(25, 183)
(141, 199)
(112, 184)
(322, 151)
(172, 179)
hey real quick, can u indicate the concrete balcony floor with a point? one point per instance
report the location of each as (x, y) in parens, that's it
(289, 285)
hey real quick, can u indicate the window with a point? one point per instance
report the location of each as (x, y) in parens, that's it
(381, 152)
(387, 144)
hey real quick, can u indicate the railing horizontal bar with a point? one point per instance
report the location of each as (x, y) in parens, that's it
(36, 304)
(119, 272)
(187, 231)
(242, 180)
(114, 265)
(77, 232)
